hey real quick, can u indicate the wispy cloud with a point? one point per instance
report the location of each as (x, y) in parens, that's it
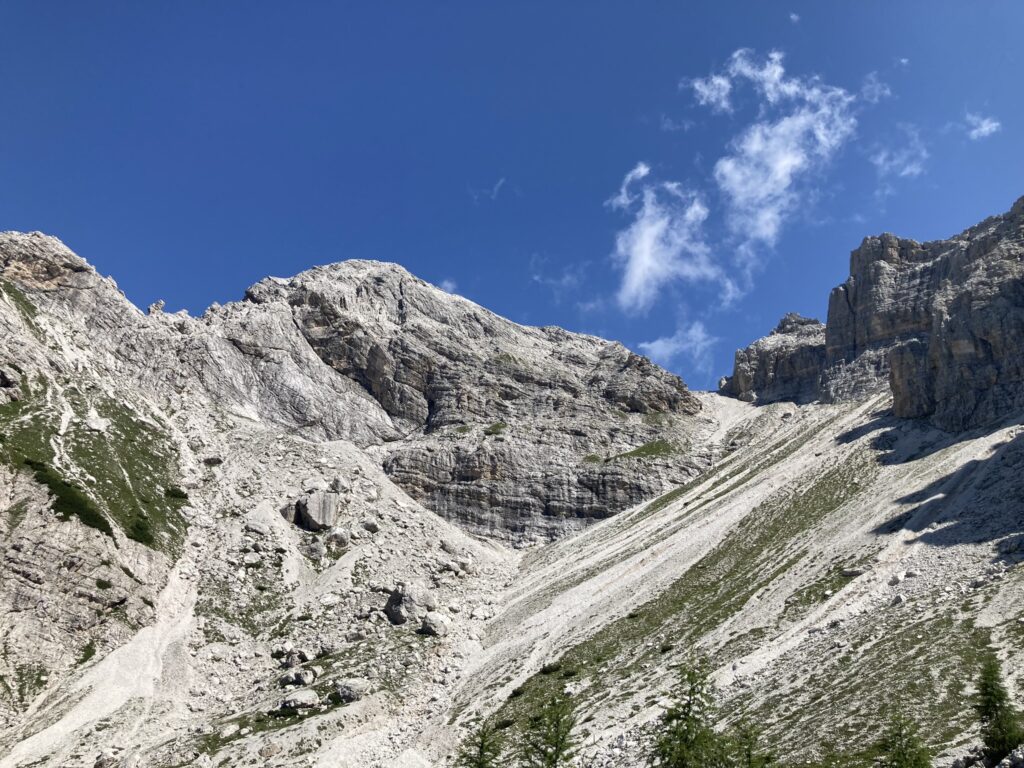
(801, 125)
(903, 160)
(690, 340)
(794, 18)
(625, 196)
(490, 193)
(671, 125)
(561, 283)
(449, 286)
(979, 126)
(596, 304)
(663, 243)
(874, 90)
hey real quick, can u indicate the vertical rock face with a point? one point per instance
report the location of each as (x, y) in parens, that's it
(785, 365)
(940, 323)
(886, 300)
(967, 368)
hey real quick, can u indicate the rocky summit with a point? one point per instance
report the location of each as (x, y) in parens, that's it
(349, 518)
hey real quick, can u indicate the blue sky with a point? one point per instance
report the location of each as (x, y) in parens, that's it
(675, 176)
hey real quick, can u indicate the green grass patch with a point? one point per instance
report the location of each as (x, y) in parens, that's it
(664, 500)
(496, 428)
(800, 603)
(88, 652)
(114, 478)
(16, 513)
(17, 297)
(593, 458)
(926, 665)
(68, 500)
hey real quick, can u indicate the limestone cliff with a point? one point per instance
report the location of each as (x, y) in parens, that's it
(940, 323)
(785, 365)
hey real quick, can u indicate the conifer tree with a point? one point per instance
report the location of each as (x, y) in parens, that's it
(549, 743)
(901, 745)
(1001, 727)
(482, 749)
(745, 747)
(686, 737)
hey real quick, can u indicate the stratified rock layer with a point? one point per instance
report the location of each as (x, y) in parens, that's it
(495, 418)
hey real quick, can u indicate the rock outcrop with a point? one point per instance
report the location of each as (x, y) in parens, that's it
(940, 323)
(785, 365)
(493, 421)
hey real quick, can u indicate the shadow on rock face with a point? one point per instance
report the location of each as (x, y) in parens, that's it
(903, 441)
(981, 501)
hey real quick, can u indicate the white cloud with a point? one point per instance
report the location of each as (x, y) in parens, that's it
(665, 241)
(979, 126)
(801, 125)
(903, 62)
(487, 194)
(625, 198)
(567, 281)
(905, 160)
(449, 286)
(763, 179)
(712, 91)
(795, 18)
(596, 304)
(874, 90)
(691, 340)
(669, 125)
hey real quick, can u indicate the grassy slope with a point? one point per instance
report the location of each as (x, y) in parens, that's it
(119, 477)
(718, 586)
(926, 659)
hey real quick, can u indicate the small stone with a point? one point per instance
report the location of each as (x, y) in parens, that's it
(435, 624)
(350, 690)
(301, 699)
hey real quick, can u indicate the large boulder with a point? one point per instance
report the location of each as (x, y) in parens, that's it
(318, 511)
(350, 690)
(409, 602)
(435, 624)
(304, 698)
